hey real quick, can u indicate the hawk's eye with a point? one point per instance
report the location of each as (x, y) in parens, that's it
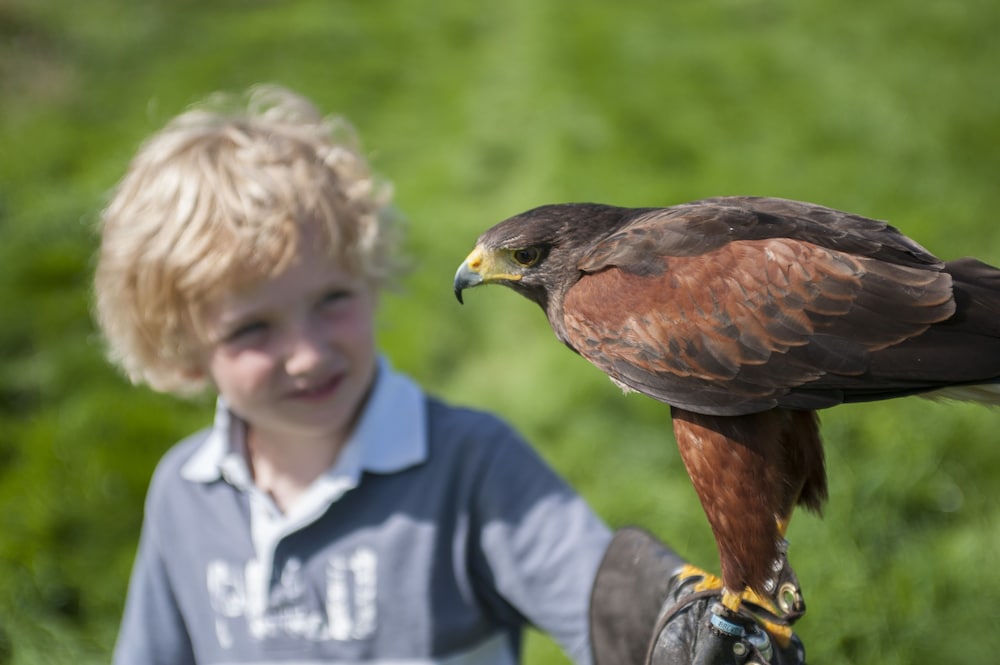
(528, 256)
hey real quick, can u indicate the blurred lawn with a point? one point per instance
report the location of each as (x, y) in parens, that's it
(476, 112)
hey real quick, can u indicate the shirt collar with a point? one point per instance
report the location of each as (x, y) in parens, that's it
(391, 435)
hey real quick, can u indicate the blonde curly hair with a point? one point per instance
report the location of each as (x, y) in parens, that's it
(218, 199)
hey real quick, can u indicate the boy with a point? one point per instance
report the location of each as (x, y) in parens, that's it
(333, 512)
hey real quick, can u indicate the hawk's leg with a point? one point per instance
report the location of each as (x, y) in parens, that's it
(750, 472)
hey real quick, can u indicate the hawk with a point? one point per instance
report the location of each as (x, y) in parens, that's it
(746, 315)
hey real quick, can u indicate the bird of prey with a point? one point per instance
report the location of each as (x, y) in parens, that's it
(746, 315)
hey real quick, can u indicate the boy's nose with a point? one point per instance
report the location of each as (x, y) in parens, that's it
(306, 353)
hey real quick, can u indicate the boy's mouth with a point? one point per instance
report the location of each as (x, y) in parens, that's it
(318, 391)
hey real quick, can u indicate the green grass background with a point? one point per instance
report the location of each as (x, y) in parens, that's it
(477, 111)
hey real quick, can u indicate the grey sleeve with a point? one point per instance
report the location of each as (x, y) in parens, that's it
(152, 631)
(540, 545)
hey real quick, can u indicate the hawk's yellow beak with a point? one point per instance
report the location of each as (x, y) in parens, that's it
(468, 274)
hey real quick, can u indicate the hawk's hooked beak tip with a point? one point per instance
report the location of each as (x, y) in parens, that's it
(468, 275)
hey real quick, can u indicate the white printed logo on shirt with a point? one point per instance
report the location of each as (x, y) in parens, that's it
(349, 610)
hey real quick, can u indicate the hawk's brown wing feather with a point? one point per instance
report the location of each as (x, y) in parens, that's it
(738, 328)
(695, 228)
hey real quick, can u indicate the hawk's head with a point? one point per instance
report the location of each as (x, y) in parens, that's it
(537, 252)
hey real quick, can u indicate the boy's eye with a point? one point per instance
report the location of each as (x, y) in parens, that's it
(244, 331)
(335, 296)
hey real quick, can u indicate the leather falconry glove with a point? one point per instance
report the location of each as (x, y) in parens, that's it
(649, 607)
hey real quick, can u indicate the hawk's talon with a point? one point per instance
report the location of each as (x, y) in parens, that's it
(774, 612)
(732, 601)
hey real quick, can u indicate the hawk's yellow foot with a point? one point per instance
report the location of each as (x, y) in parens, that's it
(771, 614)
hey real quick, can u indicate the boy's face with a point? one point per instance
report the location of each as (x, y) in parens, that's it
(294, 355)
